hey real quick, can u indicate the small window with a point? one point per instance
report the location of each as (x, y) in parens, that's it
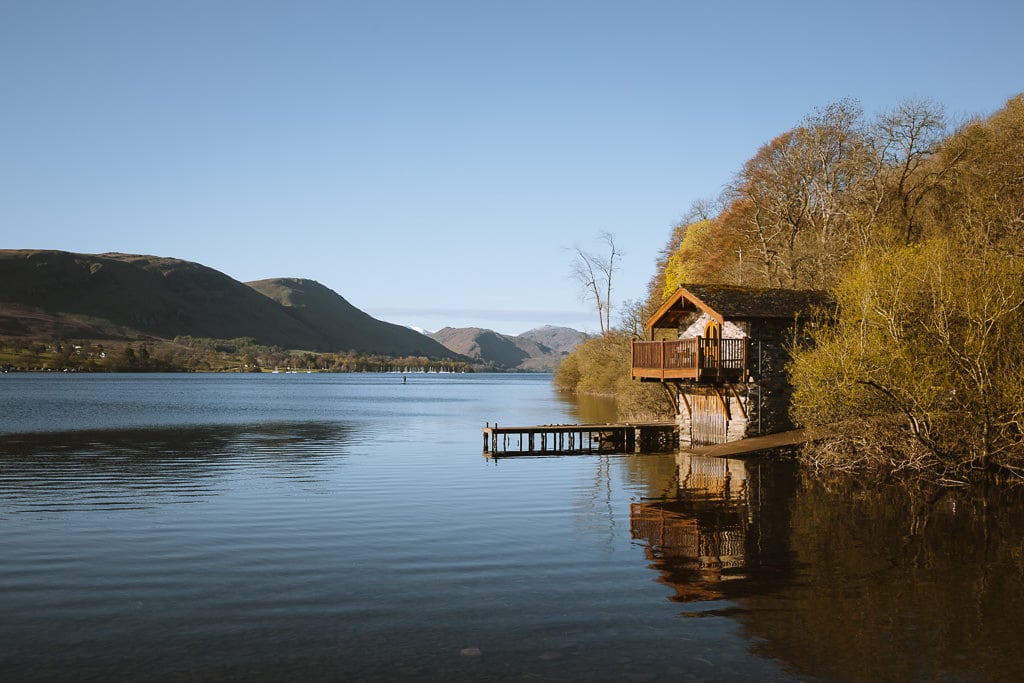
(711, 330)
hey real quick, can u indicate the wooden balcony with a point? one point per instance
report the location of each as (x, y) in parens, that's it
(702, 360)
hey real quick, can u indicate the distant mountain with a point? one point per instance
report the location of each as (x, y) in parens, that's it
(484, 346)
(524, 352)
(48, 294)
(562, 340)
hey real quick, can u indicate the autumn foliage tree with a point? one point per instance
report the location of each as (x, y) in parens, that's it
(918, 229)
(925, 360)
(982, 194)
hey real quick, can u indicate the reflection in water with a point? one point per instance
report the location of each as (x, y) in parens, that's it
(588, 409)
(381, 549)
(712, 538)
(145, 468)
(841, 580)
(349, 549)
(900, 583)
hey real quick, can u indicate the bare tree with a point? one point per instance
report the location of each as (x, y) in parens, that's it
(633, 315)
(907, 141)
(594, 273)
(793, 195)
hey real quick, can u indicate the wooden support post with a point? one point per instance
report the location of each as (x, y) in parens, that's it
(671, 397)
(723, 398)
(746, 369)
(632, 358)
(700, 358)
(661, 362)
(736, 394)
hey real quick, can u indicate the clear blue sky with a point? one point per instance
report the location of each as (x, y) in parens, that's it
(435, 162)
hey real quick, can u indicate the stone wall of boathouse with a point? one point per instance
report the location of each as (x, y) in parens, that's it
(771, 391)
(730, 412)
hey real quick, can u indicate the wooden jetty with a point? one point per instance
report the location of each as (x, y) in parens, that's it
(562, 439)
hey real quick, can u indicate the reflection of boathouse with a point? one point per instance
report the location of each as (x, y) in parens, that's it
(724, 351)
(711, 532)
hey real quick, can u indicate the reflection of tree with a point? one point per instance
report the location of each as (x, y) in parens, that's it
(708, 539)
(844, 580)
(899, 584)
(588, 408)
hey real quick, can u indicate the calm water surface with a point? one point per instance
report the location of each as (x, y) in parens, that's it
(347, 527)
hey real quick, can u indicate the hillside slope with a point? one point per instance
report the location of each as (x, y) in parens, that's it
(343, 325)
(125, 296)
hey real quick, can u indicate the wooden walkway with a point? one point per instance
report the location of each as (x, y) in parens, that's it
(625, 437)
(752, 444)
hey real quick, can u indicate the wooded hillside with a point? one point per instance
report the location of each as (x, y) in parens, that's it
(54, 295)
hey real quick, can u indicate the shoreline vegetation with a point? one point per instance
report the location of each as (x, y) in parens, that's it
(600, 367)
(189, 354)
(916, 225)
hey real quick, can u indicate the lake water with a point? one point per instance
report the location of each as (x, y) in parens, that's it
(347, 527)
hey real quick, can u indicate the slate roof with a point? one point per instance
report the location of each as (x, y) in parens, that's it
(729, 302)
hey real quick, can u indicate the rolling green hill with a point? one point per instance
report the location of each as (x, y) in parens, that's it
(56, 294)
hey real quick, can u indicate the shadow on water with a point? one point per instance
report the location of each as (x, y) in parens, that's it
(840, 580)
(141, 468)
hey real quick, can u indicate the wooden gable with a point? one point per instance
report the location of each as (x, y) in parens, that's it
(736, 304)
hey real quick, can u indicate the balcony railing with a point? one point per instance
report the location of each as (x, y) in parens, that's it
(700, 359)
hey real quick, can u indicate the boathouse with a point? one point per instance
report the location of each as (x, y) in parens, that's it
(722, 351)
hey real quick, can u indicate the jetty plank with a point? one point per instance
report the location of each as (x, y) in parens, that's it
(559, 439)
(622, 437)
